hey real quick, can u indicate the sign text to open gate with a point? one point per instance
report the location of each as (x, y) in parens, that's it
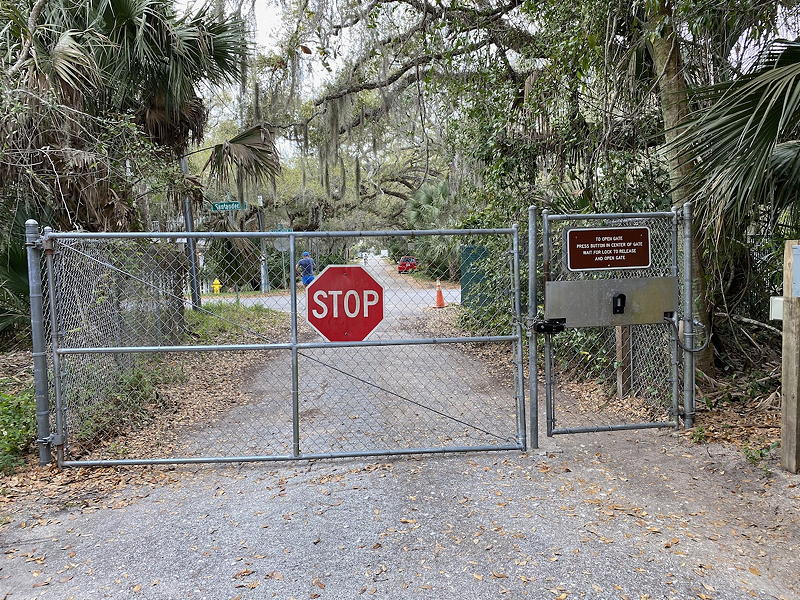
(591, 249)
(345, 303)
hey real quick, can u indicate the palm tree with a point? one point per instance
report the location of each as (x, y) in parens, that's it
(434, 208)
(745, 148)
(745, 176)
(111, 56)
(102, 59)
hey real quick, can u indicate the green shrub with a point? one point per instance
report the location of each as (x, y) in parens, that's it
(14, 301)
(17, 428)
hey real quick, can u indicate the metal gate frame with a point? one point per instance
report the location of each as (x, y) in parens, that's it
(682, 226)
(42, 246)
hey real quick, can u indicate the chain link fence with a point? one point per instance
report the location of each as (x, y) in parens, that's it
(605, 377)
(139, 374)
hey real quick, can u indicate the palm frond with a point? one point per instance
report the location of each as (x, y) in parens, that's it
(736, 145)
(72, 63)
(252, 154)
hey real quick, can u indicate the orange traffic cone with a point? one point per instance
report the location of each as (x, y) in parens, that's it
(439, 296)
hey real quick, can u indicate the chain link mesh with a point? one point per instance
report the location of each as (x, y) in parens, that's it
(614, 375)
(123, 293)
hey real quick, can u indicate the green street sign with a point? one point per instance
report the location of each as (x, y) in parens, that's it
(229, 205)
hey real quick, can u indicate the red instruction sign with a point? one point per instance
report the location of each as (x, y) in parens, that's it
(593, 249)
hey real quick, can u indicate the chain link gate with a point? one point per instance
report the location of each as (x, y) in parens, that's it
(615, 288)
(132, 372)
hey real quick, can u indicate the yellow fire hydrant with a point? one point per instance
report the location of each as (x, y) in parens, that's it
(216, 286)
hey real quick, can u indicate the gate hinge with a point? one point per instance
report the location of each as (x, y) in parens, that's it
(51, 440)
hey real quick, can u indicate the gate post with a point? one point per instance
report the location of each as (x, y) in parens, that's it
(59, 438)
(295, 361)
(790, 363)
(533, 341)
(518, 352)
(688, 320)
(41, 392)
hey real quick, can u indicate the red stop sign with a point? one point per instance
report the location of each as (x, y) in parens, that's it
(345, 303)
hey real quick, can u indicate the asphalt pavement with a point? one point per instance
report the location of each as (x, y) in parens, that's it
(628, 515)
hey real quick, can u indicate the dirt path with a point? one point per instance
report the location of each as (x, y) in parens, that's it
(629, 515)
(366, 398)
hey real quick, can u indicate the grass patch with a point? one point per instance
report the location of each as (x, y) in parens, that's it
(698, 435)
(754, 455)
(419, 276)
(229, 322)
(424, 277)
(212, 298)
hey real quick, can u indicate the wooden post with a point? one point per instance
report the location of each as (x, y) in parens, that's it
(624, 361)
(790, 379)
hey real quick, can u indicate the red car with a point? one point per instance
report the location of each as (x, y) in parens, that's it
(407, 264)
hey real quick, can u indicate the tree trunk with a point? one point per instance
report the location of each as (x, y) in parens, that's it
(675, 108)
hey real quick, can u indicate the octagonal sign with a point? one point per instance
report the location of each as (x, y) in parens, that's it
(345, 303)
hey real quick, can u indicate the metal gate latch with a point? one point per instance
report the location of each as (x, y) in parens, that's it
(550, 326)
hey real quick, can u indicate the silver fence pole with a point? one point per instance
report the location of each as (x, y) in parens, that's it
(295, 360)
(262, 242)
(673, 331)
(128, 235)
(518, 351)
(688, 319)
(59, 439)
(41, 392)
(533, 340)
(548, 350)
(191, 250)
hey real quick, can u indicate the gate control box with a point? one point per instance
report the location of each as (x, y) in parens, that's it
(603, 302)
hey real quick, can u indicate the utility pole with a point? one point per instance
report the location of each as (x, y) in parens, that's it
(262, 241)
(191, 251)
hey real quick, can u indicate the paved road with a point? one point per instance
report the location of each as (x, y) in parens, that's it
(403, 294)
(615, 517)
(611, 516)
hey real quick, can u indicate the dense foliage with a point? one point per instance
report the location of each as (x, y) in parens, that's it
(595, 106)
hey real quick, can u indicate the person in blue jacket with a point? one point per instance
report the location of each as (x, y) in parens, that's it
(305, 268)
